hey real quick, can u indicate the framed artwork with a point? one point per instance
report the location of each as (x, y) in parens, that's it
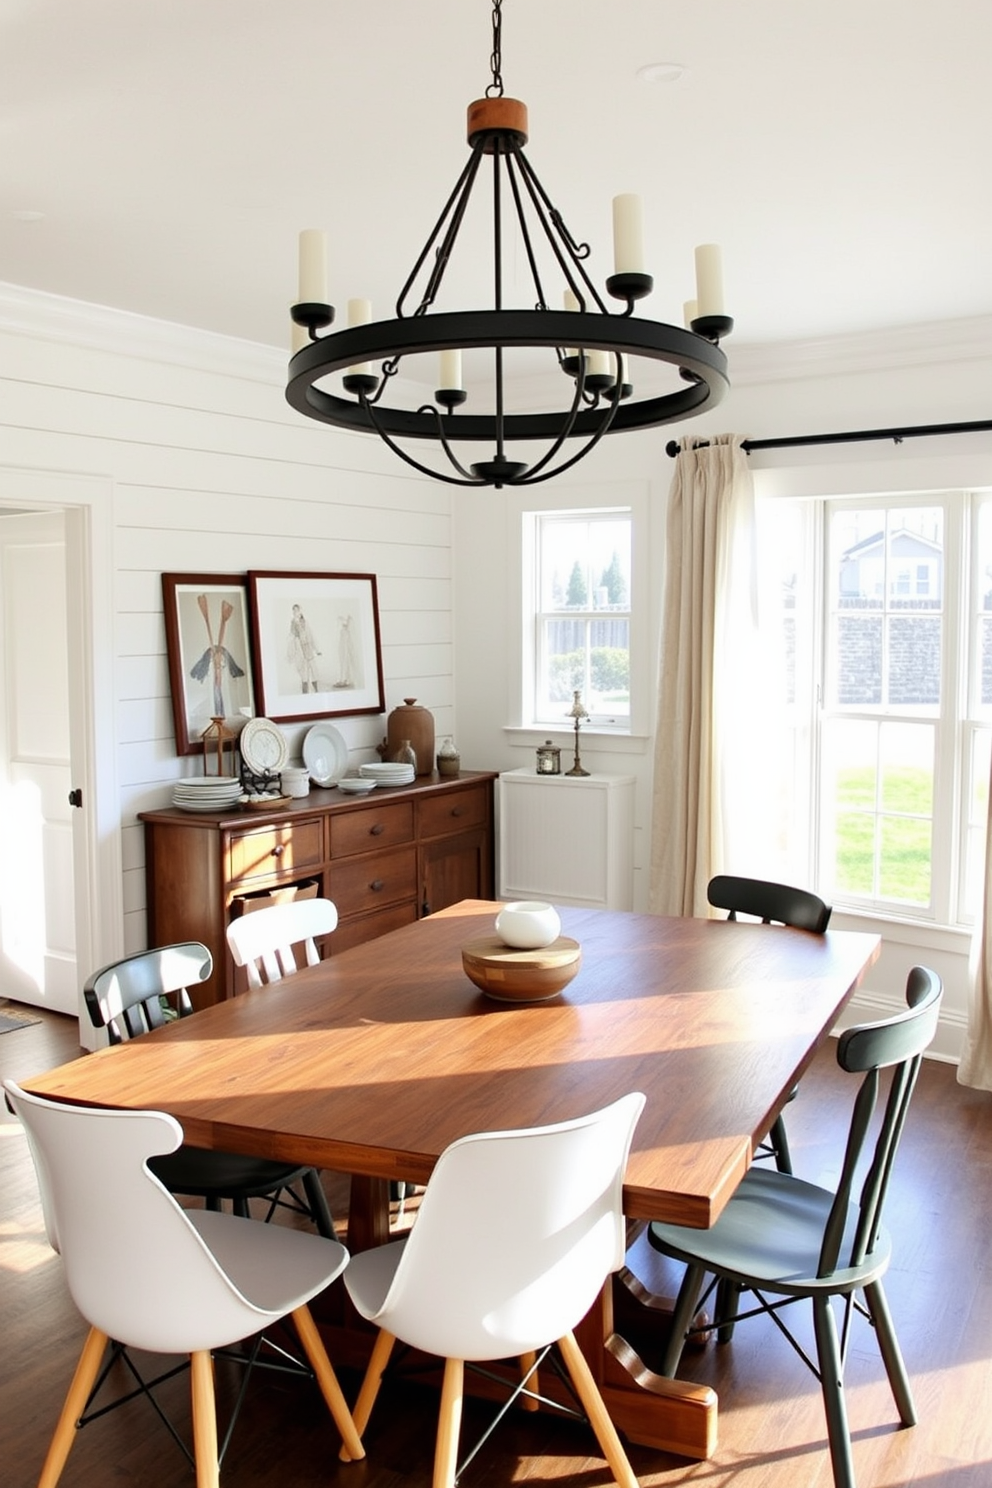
(207, 640)
(316, 641)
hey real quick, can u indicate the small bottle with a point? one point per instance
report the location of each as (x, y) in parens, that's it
(448, 758)
(405, 755)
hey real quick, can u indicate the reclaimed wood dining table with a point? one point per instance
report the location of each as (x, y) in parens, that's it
(373, 1061)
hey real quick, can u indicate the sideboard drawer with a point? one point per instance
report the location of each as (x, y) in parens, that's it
(363, 884)
(371, 829)
(456, 812)
(270, 850)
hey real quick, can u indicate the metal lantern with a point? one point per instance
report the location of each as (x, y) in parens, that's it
(548, 758)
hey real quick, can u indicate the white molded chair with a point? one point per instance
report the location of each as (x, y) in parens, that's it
(117, 1228)
(477, 1280)
(262, 941)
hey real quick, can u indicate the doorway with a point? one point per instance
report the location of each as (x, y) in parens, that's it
(83, 505)
(37, 901)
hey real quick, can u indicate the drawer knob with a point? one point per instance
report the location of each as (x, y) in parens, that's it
(377, 830)
(278, 850)
(456, 811)
(376, 885)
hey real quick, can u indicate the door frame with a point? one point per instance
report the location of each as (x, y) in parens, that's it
(87, 501)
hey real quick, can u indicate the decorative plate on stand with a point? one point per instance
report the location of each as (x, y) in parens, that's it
(263, 746)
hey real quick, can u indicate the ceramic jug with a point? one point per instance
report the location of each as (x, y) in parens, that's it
(415, 724)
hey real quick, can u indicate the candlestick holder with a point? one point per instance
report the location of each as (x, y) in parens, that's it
(578, 712)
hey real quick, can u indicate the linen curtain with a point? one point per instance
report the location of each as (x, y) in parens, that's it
(975, 1067)
(704, 797)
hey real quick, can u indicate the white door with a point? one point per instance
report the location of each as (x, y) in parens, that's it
(37, 902)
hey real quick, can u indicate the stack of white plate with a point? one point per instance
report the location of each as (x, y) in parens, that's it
(207, 793)
(389, 774)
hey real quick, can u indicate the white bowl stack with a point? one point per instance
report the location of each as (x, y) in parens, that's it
(386, 774)
(216, 793)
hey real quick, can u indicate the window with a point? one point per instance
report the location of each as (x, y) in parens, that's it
(582, 610)
(884, 606)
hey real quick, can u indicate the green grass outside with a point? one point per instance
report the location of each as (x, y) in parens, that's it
(905, 839)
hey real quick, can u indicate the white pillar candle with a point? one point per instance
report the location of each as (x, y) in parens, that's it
(570, 300)
(359, 314)
(628, 235)
(313, 267)
(600, 364)
(709, 279)
(451, 370)
(690, 311)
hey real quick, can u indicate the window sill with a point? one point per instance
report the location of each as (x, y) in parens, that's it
(607, 741)
(901, 930)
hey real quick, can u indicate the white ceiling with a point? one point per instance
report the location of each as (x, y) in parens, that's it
(839, 150)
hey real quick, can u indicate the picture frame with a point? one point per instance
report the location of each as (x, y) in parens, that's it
(317, 646)
(208, 643)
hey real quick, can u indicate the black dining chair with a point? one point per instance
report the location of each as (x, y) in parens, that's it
(784, 1240)
(147, 990)
(779, 904)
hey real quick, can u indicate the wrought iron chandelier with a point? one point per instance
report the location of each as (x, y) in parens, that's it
(594, 348)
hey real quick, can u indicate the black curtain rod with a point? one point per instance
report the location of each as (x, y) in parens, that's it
(853, 436)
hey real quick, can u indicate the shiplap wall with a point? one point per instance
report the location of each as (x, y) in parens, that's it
(212, 472)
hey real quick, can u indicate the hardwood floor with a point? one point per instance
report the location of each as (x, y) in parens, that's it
(772, 1432)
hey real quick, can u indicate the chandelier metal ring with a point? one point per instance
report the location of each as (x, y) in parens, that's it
(702, 360)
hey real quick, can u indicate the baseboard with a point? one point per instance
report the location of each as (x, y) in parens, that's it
(951, 1026)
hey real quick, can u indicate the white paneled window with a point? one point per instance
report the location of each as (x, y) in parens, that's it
(886, 618)
(581, 575)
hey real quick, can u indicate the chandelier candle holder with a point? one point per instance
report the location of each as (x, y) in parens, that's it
(578, 712)
(345, 377)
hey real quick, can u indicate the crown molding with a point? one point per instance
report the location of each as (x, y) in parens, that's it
(49, 317)
(876, 351)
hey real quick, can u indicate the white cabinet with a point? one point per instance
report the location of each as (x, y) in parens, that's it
(567, 839)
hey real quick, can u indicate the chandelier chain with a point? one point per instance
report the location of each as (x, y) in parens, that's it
(495, 88)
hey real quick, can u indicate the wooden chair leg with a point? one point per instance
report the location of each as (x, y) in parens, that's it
(381, 1350)
(204, 1419)
(75, 1402)
(527, 1362)
(592, 1402)
(328, 1381)
(449, 1424)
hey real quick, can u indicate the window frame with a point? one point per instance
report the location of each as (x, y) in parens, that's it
(630, 496)
(587, 616)
(962, 724)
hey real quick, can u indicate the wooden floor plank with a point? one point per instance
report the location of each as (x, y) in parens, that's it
(772, 1431)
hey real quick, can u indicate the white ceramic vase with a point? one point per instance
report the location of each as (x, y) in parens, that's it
(526, 925)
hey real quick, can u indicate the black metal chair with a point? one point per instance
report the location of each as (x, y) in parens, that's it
(780, 904)
(784, 1240)
(145, 991)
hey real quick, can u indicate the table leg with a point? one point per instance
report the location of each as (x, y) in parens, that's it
(669, 1414)
(368, 1213)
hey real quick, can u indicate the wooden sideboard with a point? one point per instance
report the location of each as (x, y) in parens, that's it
(385, 859)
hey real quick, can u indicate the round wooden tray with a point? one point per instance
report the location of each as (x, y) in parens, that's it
(509, 975)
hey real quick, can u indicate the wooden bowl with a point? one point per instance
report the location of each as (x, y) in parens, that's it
(521, 976)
